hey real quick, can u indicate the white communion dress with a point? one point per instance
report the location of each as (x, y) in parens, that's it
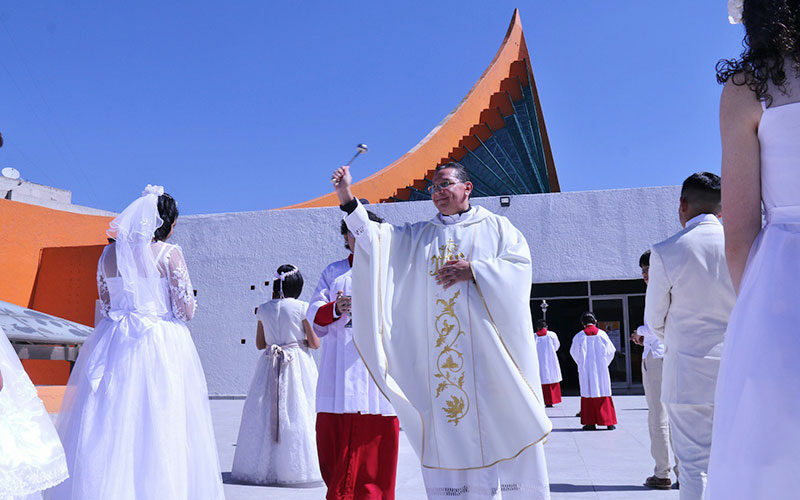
(31, 456)
(277, 443)
(757, 404)
(136, 422)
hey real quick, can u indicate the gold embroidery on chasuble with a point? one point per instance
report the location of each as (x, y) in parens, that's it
(449, 369)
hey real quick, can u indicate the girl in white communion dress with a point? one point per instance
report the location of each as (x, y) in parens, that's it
(135, 421)
(31, 456)
(277, 443)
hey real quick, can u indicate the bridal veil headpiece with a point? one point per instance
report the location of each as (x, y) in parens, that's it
(133, 231)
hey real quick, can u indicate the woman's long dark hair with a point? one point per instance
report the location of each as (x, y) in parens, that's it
(168, 211)
(772, 35)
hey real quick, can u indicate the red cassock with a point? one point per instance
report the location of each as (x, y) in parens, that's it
(598, 411)
(358, 455)
(551, 393)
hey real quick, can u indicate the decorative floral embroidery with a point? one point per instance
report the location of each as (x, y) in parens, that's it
(102, 290)
(447, 252)
(450, 362)
(180, 291)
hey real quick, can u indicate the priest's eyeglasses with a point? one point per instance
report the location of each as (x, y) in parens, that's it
(433, 188)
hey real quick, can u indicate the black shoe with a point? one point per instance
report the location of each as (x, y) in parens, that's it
(548, 406)
(578, 414)
(611, 427)
(676, 485)
(589, 427)
(658, 483)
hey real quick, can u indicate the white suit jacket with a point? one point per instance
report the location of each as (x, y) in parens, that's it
(689, 299)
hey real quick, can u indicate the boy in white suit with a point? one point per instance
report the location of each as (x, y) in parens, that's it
(689, 299)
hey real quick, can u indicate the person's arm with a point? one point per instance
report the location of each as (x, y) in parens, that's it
(312, 340)
(556, 342)
(575, 351)
(320, 313)
(102, 288)
(261, 342)
(181, 293)
(342, 180)
(659, 295)
(357, 219)
(739, 116)
(610, 349)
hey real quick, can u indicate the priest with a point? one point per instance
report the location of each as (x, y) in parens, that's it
(444, 305)
(593, 351)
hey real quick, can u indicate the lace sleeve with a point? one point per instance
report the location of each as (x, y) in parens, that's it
(102, 290)
(181, 293)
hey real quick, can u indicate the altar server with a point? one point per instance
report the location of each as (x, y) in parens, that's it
(688, 302)
(549, 369)
(593, 351)
(357, 430)
(444, 326)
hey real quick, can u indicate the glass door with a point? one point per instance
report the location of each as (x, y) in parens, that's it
(612, 314)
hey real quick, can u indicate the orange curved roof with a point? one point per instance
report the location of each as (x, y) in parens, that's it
(478, 113)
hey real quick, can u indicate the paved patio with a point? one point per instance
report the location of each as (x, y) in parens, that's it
(582, 465)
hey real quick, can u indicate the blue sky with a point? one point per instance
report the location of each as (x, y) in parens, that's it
(250, 105)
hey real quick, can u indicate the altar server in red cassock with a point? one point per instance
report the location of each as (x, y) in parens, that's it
(593, 351)
(547, 344)
(357, 430)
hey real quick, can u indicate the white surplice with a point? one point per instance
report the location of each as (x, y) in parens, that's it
(31, 455)
(344, 384)
(593, 354)
(459, 365)
(546, 347)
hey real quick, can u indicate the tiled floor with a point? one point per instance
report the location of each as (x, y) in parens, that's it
(582, 465)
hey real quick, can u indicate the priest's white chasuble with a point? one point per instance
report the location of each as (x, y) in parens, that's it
(459, 365)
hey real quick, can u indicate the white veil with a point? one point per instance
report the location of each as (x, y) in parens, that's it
(31, 456)
(133, 231)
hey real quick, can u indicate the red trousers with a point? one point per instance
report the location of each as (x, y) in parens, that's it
(358, 455)
(598, 411)
(552, 393)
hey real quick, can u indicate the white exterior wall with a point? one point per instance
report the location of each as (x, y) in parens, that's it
(43, 196)
(575, 236)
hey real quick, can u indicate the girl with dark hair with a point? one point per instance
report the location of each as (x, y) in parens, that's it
(276, 443)
(135, 421)
(755, 434)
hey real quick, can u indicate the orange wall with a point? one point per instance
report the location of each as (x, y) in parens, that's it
(25, 230)
(47, 371)
(65, 283)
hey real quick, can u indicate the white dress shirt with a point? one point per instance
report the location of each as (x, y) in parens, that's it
(652, 344)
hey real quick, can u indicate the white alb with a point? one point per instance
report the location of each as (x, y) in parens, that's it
(546, 347)
(593, 354)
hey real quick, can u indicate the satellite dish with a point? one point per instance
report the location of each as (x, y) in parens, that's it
(11, 173)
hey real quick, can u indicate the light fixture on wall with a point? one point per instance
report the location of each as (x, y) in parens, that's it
(543, 306)
(505, 201)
